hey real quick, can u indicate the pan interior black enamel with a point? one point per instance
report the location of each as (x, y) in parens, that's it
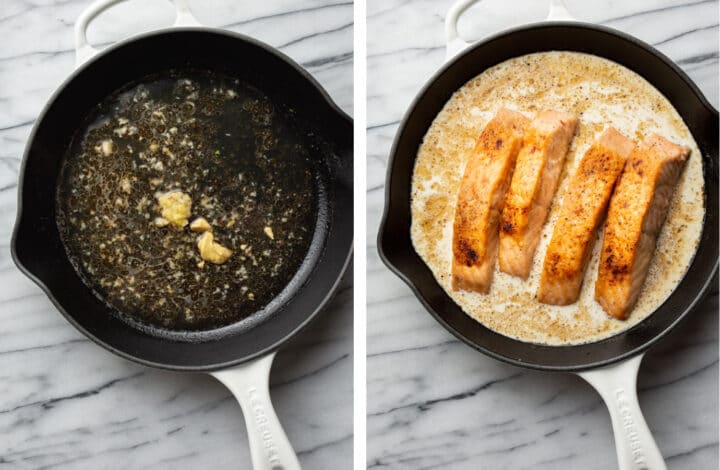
(39, 252)
(394, 241)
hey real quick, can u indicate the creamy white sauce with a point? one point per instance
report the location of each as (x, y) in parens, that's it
(602, 94)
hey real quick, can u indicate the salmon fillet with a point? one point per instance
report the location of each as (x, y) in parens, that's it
(637, 211)
(480, 200)
(533, 186)
(582, 211)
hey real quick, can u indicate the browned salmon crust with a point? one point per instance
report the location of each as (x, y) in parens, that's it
(582, 211)
(637, 212)
(480, 200)
(534, 182)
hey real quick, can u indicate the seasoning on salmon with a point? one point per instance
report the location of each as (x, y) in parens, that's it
(637, 211)
(582, 211)
(534, 182)
(480, 200)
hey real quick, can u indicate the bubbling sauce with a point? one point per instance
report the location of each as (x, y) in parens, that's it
(602, 94)
(240, 159)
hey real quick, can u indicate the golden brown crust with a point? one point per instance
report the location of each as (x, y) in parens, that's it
(637, 211)
(534, 182)
(582, 210)
(480, 199)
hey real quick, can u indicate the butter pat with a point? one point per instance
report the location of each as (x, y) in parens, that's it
(175, 207)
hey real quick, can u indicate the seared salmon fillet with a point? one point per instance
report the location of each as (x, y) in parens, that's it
(480, 200)
(583, 208)
(637, 211)
(532, 188)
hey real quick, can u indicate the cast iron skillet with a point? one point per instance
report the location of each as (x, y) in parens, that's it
(39, 253)
(395, 245)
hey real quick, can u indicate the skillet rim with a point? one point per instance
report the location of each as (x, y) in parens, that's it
(697, 296)
(347, 121)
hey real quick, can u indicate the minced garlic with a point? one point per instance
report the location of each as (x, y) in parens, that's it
(200, 225)
(212, 251)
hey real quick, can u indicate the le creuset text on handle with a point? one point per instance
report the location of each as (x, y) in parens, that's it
(269, 446)
(617, 385)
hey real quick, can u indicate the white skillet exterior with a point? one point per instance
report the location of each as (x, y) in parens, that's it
(250, 382)
(617, 384)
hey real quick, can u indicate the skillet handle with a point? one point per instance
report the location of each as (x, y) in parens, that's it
(617, 385)
(84, 51)
(270, 448)
(454, 44)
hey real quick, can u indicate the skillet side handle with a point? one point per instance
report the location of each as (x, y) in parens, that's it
(270, 448)
(454, 44)
(617, 385)
(84, 51)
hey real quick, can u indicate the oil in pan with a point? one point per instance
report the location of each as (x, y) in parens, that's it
(229, 156)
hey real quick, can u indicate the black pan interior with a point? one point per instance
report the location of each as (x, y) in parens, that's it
(38, 250)
(394, 241)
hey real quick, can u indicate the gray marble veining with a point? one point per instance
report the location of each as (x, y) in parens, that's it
(434, 402)
(66, 403)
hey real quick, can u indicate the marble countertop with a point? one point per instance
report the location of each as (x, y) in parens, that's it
(66, 403)
(434, 402)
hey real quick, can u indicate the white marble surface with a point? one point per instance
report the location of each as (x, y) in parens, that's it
(66, 403)
(436, 403)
